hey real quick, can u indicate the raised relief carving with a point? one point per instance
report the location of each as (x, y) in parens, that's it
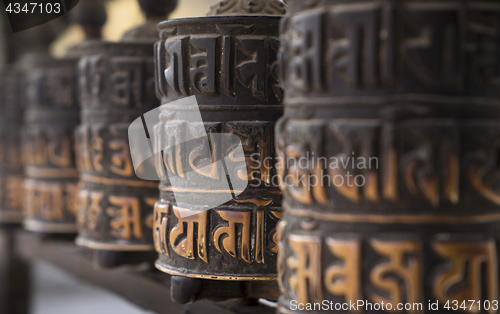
(130, 81)
(13, 192)
(160, 225)
(126, 221)
(192, 65)
(358, 151)
(344, 278)
(203, 64)
(121, 162)
(91, 79)
(182, 236)
(248, 7)
(257, 146)
(434, 147)
(461, 278)
(305, 280)
(232, 239)
(429, 48)
(404, 262)
(176, 72)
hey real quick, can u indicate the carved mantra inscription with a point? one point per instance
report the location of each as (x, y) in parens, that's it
(115, 207)
(241, 235)
(398, 161)
(367, 47)
(396, 272)
(11, 166)
(194, 65)
(120, 81)
(94, 141)
(188, 159)
(48, 149)
(247, 234)
(398, 94)
(113, 216)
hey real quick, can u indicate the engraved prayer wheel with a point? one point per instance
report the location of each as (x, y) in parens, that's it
(117, 85)
(11, 166)
(390, 148)
(48, 144)
(116, 82)
(228, 63)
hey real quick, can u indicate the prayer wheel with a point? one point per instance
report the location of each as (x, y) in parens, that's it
(48, 145)
(115, 207)
(218, 207)
(390, 157)
(11, 166)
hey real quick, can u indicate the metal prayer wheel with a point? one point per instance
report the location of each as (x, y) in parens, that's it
(11, 167)
(393, 108)
(117, 86)
(48, 145)
(115, 207)
(228, 63)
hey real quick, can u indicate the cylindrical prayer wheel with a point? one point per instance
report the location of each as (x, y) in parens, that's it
(115, 207)
(11, 166)
(50, 118)
(390, 156)
(117, 86)
(228, 62)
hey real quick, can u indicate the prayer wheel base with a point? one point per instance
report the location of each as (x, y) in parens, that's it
(47, 227)
(112, 259)
(10, 217)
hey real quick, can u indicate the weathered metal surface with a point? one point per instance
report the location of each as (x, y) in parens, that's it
(11, 166)
(116, 82)
(115, 206)
(409, 91)
(229, 63)
(48, 145)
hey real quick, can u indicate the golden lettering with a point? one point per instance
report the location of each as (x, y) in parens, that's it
(59, 148)
(305, 282)
(71, 198)
(151, 202)
(281, 258)
(298, 189)
(467, 260)
(127, 221)
(280, 165)
(185, 229)
(209, 166)
(260, 237)
(14, 193)
(345, 280)
(230, 242)
(161, 211)
(94, 212)
(409, 272)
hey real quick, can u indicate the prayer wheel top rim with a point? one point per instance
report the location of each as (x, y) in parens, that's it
(90, 46)
(241, 19)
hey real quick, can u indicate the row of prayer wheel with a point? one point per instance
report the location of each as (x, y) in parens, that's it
(366, 166)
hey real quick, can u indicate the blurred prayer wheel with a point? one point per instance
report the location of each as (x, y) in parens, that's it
(228, 62)
(11, 166)
(117, 86)
(48, 145)
(392, 117)
(115, 207)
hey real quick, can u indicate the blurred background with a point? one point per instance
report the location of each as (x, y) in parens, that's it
(124, 15)
(53, 291)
